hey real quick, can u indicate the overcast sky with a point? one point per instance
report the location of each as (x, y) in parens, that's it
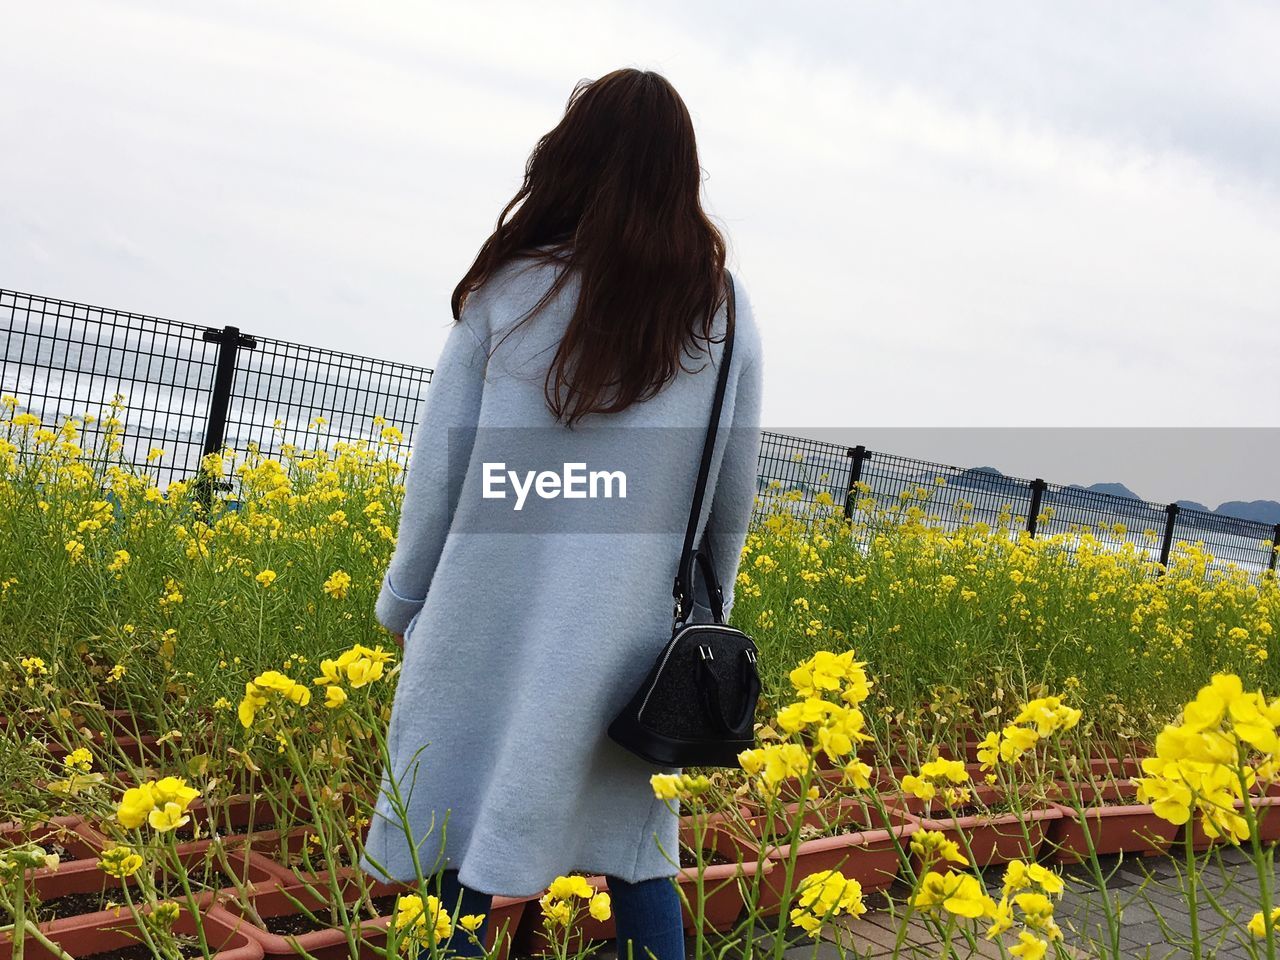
(947, 215)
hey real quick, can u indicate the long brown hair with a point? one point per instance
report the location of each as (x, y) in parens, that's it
(613, 193)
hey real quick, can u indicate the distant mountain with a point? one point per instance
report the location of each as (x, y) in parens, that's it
(1113, 489)
(1263, 511)
(983, 478)
(989, 478)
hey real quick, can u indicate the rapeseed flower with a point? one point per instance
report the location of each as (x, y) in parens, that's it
(120, 861)
(259, 691)
(934, 846)
(957, 893)
(824, 895)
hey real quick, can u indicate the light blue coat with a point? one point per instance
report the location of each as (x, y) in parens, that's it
(522, 643)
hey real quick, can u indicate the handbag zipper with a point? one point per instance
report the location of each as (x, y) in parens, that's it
(671, 646)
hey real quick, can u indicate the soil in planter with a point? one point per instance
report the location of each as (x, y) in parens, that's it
(340, 857)
(140, 951)
(200, 876)
(71, 905)
(296, 924)
(709, 857)
(965, 810)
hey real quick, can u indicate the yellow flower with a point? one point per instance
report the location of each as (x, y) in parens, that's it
(135, 805)
(1170, 800)
(79, 759)
(75, 550)
(555, 912)
(1049, 715)
(857, 774)
(918, 787)
(257, 693)
(1029, 947)
(409, 911)
(167, 817)
(957, 893)
(1037, 912)
(933, 845)
(573, 885)
(120, 861)
(1015, 741)
(334, 697)
(823, 895)
(1258, 926)
(1001, 917)
(338, 584)
(989, 751)
(599, 906)
(266, 577)
(359, 666)
(471, 922)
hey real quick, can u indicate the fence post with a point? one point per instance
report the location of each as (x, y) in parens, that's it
(1166, 547)
(229, 340)
(1275, 546)
(1038, 488)
(856, 456)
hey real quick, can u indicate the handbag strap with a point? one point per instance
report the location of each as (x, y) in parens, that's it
(683, 589)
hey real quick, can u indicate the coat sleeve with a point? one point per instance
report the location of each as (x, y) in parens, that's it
(732, 503)
(452, 402)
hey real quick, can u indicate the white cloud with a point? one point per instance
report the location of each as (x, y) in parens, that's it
(959, 214)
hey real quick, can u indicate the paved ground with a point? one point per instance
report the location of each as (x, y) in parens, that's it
(1156, 920)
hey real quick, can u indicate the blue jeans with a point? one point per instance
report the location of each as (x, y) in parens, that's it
(647, 916)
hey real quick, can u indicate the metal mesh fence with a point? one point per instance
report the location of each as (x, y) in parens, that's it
(874, 487)
(187, 389)
(65, 360)
(287, 393)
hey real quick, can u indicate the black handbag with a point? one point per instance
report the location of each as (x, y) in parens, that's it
(696, 707)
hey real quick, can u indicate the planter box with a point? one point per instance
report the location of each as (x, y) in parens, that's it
(867, 851)
(241, 813)
(139, 750)
(993, 838)
(722, 896)
(87, 878)
(279, 851)
(105, 932)
(327, 943)
(721, 891)
(66, 836)
(1115, 822)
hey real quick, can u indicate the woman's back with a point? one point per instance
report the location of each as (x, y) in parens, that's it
(529, 620)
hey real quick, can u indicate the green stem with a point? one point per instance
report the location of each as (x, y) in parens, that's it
(1192, 907)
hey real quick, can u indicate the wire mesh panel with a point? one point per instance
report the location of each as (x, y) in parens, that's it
(949, 497)
(156, 385)
(67, 360)
(1113, 521)
(1244, 544)
(802, 467)
(62, 360)
(288, 393)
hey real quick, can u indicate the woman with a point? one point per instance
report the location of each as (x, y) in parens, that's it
(593, 322)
